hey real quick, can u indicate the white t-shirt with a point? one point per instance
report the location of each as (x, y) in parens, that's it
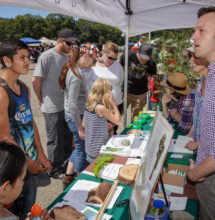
(114, 74)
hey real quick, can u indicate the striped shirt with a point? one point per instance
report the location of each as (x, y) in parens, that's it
(207, 131)
(96, 132)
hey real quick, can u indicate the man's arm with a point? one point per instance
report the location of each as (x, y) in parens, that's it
(186, 114)
(42, 159)
(37, 82)
(207, 167)
(4, 119)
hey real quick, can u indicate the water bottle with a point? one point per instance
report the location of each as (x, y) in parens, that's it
(36, 212)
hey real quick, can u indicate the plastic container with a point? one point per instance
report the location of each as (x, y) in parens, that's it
(135, 126)
(36, 212)
(157, 210)
(135, 119)
(145, 109)
(142, 121)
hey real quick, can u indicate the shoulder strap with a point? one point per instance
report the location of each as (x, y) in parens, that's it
(12, 105)
(22, 84)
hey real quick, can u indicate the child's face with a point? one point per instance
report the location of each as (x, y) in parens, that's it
(14, 190)
(20, 62)
(86, 61)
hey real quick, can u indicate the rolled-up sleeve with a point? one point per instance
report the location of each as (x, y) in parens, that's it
(187, 113)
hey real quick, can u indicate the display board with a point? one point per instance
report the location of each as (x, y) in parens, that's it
(151, 165)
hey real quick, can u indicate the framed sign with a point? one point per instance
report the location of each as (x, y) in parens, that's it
(151, 165)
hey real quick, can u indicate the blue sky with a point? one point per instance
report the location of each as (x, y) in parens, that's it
(12, 12)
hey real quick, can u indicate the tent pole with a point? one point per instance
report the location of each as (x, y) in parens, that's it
(125, 81)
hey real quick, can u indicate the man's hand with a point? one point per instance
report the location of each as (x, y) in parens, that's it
(45, 215)
(44, 162)
(175, 115)
(81, 133)
(34, 167)
(166, 98)
(191, 172)
(192, 145)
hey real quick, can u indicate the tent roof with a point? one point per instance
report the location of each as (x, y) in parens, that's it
(29, 40)
(145, 15)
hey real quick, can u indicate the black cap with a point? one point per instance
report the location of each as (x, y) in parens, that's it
(145, 51)
(68, 35)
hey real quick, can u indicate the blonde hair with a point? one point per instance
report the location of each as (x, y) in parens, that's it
(110, 46)
(100, 94)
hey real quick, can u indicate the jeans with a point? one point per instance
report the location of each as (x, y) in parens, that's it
(22, 205)
(78, 156)
(90, 159)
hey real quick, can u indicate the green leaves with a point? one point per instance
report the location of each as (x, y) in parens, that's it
(101, 161)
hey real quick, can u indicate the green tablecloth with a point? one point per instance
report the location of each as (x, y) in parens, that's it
(183, 161)
(119, 213)
(122, 213)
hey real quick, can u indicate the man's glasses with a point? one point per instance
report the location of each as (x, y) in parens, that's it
(111, 58)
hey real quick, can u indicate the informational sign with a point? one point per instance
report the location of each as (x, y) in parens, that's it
(151, 166)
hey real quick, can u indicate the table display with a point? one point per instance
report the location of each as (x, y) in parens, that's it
(146, 166)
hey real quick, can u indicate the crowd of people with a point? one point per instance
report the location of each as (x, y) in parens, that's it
(80, 91)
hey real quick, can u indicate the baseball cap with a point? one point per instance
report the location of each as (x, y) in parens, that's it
(68, 35)
(145, 51)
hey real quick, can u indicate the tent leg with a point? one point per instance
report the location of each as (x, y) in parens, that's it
(125, 82)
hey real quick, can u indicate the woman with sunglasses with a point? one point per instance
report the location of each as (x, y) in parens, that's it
(71, 81)
(200, 67)
(109, 68)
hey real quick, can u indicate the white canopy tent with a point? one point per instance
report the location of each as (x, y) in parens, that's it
(47, 41)
(132, 17)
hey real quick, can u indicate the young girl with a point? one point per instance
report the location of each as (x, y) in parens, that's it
(100, 109)
(71, 81)
(13, 169)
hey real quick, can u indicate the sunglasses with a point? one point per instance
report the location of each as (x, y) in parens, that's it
(111, 58)
(190, 55)
(70, 44)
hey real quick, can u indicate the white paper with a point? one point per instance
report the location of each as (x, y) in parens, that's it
(79, 193)
(80, 188)
(115, 143)
(181, 143)
(91, 213)
(137, 148)
(110, 171)
(133, 161)
(178, 203)
(177, 156)
(172, 145)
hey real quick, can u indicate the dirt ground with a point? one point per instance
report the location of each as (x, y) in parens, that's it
(49, 188)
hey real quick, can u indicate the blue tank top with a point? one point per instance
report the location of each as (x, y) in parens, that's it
(21, 124)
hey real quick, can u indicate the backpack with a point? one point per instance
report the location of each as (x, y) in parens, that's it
(12, 104)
